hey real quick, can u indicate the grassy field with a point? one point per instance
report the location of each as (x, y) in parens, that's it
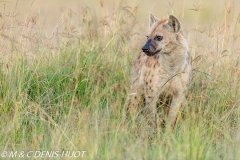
(65, 70)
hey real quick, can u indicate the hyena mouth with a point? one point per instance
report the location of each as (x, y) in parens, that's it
(153, 53)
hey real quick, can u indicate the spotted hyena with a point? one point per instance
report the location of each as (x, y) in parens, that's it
(162, 69)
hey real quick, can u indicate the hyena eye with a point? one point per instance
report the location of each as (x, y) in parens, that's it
(159, 38)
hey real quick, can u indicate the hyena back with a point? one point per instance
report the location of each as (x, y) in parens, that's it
(163, 69)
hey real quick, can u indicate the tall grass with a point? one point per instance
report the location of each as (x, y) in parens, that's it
(68, 90)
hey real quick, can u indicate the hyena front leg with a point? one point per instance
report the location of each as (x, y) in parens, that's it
(151, 110)
(134, 100)
(177, 101)
(135, 92)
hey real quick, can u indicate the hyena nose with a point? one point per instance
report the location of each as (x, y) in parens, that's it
(145, 48)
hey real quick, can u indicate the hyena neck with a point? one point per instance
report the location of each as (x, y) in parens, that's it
(175, 61)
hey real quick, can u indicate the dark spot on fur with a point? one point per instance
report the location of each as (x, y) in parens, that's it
(135, 97)
(150, 81)
(174, 26)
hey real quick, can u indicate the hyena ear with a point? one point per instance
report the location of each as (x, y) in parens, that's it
(152, 19)
(174, 24)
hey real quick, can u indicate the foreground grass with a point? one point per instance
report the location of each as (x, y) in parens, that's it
(78, 104)
(74, 98)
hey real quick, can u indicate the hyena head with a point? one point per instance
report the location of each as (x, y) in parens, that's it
(162, 35)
